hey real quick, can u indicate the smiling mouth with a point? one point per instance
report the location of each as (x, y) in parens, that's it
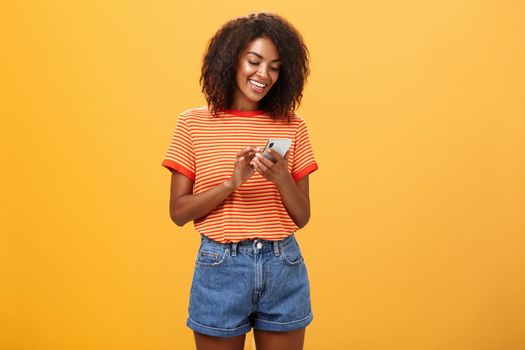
(256, 86)
(257, 83)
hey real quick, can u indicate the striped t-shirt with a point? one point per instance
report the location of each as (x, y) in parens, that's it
(204, 148)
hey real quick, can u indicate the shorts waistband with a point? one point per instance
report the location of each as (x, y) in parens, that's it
(252, 245)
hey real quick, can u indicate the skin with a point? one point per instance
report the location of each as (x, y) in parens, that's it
(258, 61)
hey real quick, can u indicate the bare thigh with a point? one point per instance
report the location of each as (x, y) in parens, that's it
(266, 340)
(207, 342)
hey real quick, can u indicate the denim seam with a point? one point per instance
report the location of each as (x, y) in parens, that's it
(265, 286)
(208, 253)
(284, 244)
(299, 320)
(293, 263)
(221, 329)
(214, 264)
(255, 279)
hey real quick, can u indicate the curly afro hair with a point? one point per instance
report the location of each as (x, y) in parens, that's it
(223, 53)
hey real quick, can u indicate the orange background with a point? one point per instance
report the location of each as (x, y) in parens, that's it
(416, 113)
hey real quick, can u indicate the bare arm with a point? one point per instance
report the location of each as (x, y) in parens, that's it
(186, 206)
(296, 199)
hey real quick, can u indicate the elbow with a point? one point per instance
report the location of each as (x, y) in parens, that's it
(177, 219)
(179, 222)
(175, 215)
(304, 222)
(305, 217)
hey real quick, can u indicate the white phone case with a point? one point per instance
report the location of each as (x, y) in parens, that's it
(281, 146)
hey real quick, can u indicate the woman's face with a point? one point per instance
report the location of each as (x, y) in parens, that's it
(257, 72)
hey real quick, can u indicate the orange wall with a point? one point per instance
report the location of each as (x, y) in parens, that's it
(416, 112)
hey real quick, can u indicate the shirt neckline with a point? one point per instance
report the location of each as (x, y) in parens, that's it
(243, 113)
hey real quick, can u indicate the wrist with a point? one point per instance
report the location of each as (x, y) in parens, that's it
(287, 181)
(229, 185)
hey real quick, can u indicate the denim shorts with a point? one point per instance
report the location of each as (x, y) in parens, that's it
(252, 283)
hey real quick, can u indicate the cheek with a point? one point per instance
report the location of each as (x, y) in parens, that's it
(275, 77)
(245, 70)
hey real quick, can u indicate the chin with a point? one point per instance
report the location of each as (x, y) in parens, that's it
(255, 99)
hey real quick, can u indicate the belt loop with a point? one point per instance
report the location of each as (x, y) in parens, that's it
(276, 248)
(234, 249)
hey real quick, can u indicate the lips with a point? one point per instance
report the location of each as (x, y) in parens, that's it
(257, 86)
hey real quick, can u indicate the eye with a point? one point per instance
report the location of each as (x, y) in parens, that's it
(275, 69)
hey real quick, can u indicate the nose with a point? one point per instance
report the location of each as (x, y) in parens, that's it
(262, 71)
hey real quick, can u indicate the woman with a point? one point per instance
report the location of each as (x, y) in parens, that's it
(249, 271)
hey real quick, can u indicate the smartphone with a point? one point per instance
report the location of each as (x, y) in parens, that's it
(281, 146)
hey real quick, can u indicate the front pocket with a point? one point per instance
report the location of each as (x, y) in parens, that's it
(291, 253)
(211, 258)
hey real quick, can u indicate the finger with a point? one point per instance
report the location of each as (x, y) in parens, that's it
(252, 164)
(251, 159)
(265, 161)
(260, 165)
(257, 167)
(246, 150)
(263, 173)
(276, 155)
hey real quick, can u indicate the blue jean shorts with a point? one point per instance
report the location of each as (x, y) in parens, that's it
(252, 283)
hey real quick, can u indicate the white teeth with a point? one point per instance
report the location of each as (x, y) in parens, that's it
(257, 83)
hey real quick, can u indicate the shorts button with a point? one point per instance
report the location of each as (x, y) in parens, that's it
(259, 245)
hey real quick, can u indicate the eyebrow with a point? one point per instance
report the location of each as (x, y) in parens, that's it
(256, 54)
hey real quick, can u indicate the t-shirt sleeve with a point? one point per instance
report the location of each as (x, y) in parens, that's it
(181, 153)
(303, 160)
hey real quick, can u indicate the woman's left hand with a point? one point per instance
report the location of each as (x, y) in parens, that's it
(277, 172)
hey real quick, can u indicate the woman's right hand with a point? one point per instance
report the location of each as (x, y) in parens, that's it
(242, 169)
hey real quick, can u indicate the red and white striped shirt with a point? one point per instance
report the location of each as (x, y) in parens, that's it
(204, 148)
